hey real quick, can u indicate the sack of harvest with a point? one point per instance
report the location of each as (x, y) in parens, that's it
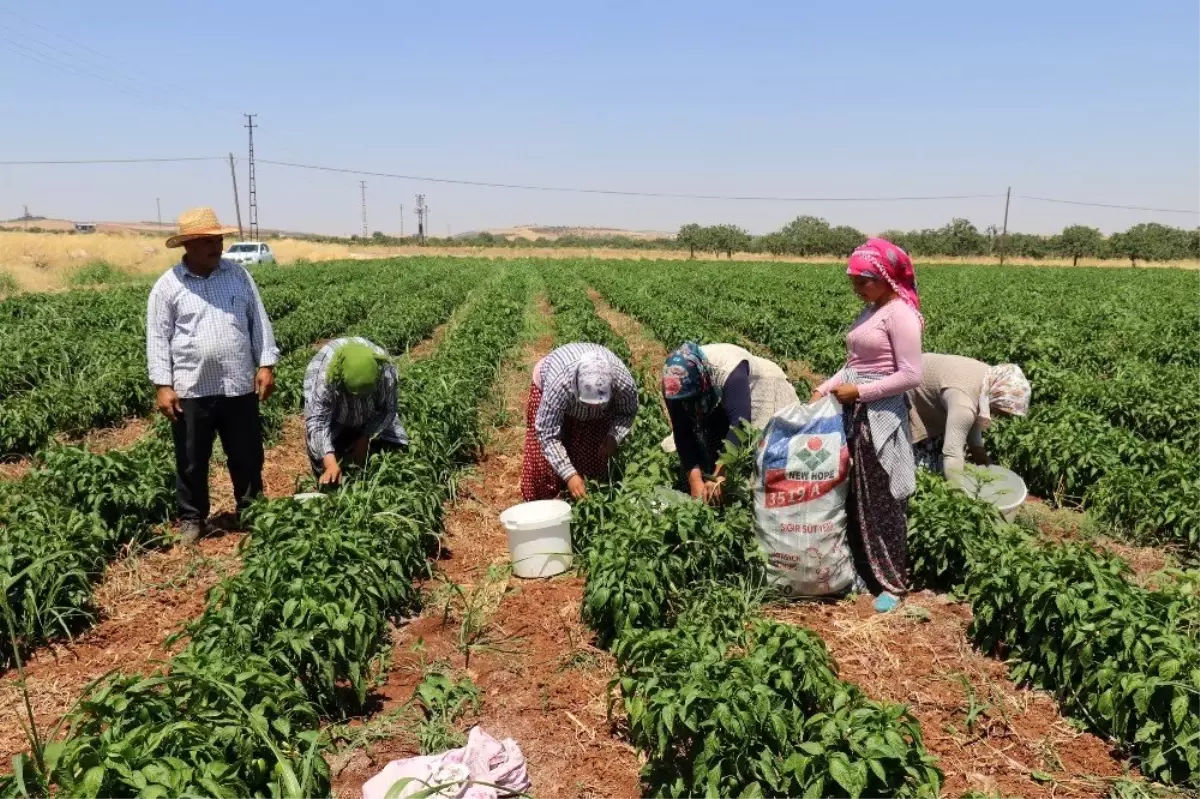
(800, 492)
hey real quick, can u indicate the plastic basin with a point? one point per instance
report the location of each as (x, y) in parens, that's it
(539, 537)
(1001, 487)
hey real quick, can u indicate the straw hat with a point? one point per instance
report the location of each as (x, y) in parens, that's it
(197, 224)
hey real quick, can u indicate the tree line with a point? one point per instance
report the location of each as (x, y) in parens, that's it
(813, 236)
(810, 236)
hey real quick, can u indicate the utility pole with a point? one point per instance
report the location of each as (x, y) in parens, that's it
(362, 184)
(253, 181)
(1004, 230)
(237, 204)
(421, 211)
(401, 220)
(158, 202)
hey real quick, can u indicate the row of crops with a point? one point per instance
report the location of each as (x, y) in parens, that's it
(77, 360)
(61, 524)
(1112, 355)
(720, 699)
(296, 638)
(724, 702)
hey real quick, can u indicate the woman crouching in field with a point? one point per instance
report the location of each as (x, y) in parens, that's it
(709, 392)
(581, 406)
(955, 403)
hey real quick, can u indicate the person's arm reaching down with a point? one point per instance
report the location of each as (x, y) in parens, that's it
(159, 323)
(548, 426)
(735, 398)
(262, 335)
(960, 418)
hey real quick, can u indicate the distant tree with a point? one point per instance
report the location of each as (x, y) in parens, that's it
(692, 237)
(726, 239)
(773, 243)
(1028, 245)
(901, 239)
(843, 239)
(1169, 243)
(993, 238)
(1079, 241)
(1124, 245)
(960, 238)
(807, 235)
(1146, 242)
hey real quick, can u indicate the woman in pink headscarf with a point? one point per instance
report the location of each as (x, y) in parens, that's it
(884, 362)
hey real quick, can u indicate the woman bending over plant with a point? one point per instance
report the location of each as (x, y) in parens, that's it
(581, 406)
(709, 392)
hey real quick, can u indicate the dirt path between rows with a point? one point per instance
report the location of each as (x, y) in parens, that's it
(148, 595)
(988, 735)
(101, 439)
(541, 681)
(143, 598)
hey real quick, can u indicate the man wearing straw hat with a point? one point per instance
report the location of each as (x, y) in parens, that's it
(212, 354)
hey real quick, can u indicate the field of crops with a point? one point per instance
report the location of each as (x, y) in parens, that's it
(719, 697)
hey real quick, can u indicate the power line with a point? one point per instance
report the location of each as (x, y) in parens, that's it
(69, 58)
(1109, 205)
(69, 65)
(615, 192)
(45, 59)
(125, 70)
(621, 193)
(115, 161)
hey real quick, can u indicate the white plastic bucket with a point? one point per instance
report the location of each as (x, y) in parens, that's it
(1001, 487)
(539, 537)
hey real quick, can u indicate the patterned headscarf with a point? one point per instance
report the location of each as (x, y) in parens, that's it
(687, 375)
(593, 381)
(882, 260)
(354, 367)
(1005, 388)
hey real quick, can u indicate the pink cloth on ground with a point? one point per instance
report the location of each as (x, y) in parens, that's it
(483, 769)
(883, 341)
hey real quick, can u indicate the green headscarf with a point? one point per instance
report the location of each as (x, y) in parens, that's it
(355, 367)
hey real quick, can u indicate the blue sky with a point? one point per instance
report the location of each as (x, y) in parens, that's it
(1095, 101)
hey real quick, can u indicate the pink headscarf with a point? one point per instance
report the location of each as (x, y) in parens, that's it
(882, 260)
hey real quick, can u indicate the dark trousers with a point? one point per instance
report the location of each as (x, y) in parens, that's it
(235, 420)
(343, 441)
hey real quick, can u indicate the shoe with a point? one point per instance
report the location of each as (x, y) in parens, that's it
(190, 531)
(886, 602)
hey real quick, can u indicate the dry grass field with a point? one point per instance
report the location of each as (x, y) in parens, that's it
(47, 261)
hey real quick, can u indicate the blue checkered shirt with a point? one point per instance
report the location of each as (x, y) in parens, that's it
(328, 410)
(557, 381)
(206, 336)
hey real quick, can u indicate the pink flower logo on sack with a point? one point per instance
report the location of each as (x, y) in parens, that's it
(814, 444)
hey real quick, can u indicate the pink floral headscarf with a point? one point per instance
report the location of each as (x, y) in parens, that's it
(882, 260)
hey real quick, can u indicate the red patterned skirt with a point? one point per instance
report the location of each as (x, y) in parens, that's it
(584, 442)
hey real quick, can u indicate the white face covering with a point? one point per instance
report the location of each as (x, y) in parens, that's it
(593, 382)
